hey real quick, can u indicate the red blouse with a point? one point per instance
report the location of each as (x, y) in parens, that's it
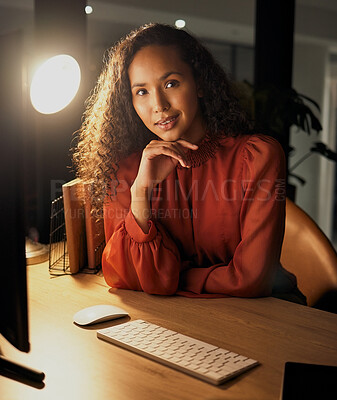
(216, 228)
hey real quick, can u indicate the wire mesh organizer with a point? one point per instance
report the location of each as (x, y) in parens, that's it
(59, 260)
(58, 253)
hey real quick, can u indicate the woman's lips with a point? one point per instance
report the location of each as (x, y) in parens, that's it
(167, 123)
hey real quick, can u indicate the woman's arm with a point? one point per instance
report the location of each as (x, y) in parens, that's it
(158, 160)
(136, 260)
(140, 255)
(251, 271)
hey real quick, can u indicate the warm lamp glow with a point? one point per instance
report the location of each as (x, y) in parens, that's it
(55, 84)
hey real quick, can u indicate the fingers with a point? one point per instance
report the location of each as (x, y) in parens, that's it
(170, 149)
(182, 154)
(169, 152)
(176, 150)
(187, 144)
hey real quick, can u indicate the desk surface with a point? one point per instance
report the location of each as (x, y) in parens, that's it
(80, 366)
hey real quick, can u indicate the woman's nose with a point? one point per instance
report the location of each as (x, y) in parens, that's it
(160, 102)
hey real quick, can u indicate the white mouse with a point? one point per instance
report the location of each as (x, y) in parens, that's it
(99, 313)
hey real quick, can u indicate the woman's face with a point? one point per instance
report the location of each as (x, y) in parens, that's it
(165, 94)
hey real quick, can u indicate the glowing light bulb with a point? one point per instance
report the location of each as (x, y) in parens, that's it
(55, 84)
(88, 9)
(180, 23)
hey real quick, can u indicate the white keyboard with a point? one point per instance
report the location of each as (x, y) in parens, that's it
(194, 357)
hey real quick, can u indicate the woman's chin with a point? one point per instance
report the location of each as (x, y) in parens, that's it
(168, 136)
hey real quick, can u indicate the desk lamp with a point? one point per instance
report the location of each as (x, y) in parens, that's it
(54, 85)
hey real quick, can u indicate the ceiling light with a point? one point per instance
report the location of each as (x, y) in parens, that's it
(180, 23)
(88, 9)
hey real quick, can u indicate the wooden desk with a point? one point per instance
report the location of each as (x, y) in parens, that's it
(80, 366)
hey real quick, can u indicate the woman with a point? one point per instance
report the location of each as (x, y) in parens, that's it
(196, 203)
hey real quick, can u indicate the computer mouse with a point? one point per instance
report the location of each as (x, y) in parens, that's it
(100, 313)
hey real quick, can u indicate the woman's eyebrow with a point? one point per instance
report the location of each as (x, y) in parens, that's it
(162, 78)
(168, 74)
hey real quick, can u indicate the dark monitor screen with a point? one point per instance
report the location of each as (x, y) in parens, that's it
(13, 278)
(13, 286)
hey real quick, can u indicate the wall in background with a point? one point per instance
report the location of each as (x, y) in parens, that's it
(310, 62)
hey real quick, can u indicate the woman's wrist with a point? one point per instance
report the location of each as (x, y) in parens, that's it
(139, 192)
(140, 206)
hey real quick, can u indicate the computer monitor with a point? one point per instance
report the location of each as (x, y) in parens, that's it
(13, 281)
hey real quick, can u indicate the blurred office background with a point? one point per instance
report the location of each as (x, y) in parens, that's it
(227, 27)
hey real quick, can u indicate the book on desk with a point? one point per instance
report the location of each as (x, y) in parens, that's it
(84, 230)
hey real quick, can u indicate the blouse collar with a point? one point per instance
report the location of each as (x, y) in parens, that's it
(207, 148)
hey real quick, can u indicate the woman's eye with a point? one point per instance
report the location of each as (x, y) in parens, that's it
(141, 92)
(171, 84)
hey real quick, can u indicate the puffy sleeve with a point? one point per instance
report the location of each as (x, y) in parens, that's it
(251, 271)
(132, 259)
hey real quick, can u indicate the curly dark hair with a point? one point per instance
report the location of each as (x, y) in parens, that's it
(112, 130)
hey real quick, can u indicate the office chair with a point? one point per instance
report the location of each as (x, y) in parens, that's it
(308, 254)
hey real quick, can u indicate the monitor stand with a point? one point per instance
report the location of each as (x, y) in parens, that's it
(11, 368)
